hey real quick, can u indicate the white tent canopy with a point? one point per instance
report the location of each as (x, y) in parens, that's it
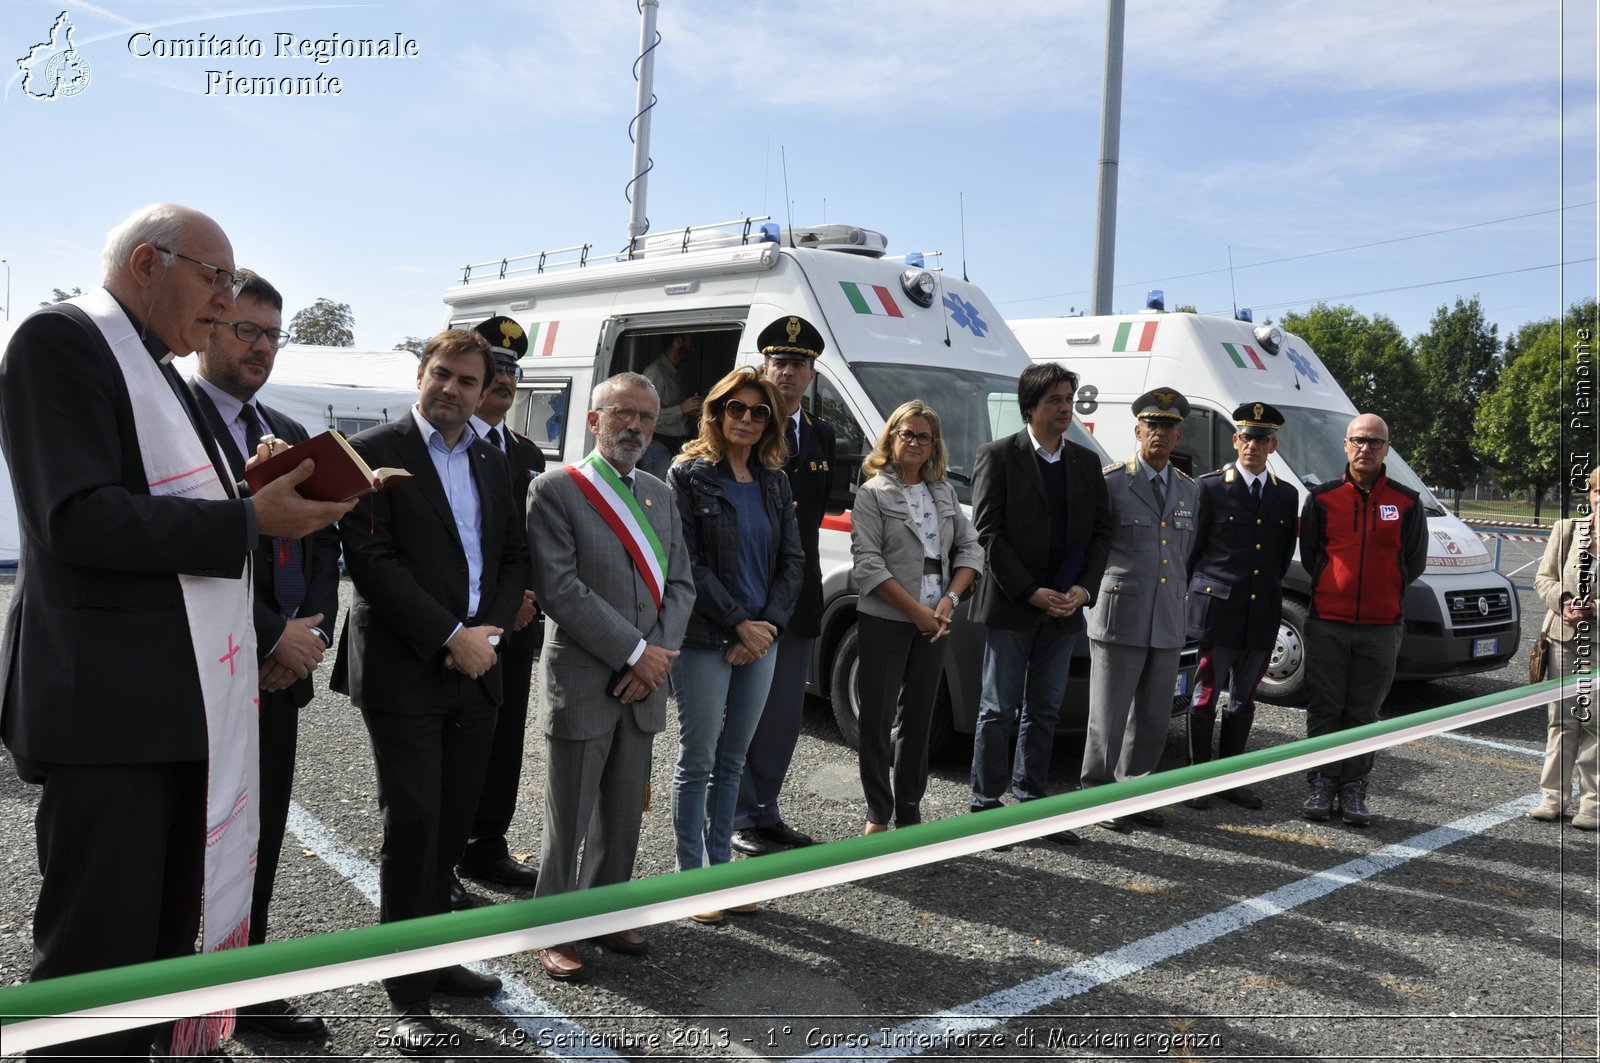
(340, 387)
(321, 387)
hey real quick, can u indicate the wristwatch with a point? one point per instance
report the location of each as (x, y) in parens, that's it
(955, 599)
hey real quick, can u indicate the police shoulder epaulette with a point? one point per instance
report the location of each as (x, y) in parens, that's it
(1183, 474)
(1113, 467)
(1228, 475)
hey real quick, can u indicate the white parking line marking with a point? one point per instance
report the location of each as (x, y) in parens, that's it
(516, 1001)
(940, 1030)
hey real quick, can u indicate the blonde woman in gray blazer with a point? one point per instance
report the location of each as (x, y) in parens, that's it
(1565, 583)
(916, 555)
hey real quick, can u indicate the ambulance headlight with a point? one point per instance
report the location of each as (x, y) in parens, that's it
(918, 285)
(1270, 337)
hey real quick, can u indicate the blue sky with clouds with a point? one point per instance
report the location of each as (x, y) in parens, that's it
(1277, 130)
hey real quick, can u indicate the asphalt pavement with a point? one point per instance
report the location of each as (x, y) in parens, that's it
(1453, 927)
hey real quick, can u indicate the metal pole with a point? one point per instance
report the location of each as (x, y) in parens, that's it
(7, 265)
(1105, 240)
(637, 222)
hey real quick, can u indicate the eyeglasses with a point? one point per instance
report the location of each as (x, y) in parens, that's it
(628, 413)
(222, 280)
(908, 437)
(760, 413)
(249, 332)
(1366, 442)
(511, 369)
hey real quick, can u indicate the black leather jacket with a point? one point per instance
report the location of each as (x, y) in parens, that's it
(712, 535)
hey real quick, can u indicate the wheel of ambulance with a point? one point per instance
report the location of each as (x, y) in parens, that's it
(844, 692)
(842, 688)
(1285, 680)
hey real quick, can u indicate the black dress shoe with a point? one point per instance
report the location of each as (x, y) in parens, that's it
(1243, 796)
(1120, 824)
(1063, 837)
(1149, 818)
(460, 982)
(414, 1033)
(282, 1019)
(786, 835)
(461, 900)
(753, 842)
(1200, 803)
(503, 871)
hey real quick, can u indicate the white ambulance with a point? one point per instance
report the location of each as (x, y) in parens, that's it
(894, 330)
(1461, 615)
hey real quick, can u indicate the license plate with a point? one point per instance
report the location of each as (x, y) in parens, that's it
(1486, 647)
(1181, 687)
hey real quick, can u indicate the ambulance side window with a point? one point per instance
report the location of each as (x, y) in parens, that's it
(539, 412)
(851, 444)
(1207, 442)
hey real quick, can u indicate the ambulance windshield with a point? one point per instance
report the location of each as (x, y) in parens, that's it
(1311, 443)
(974, 408)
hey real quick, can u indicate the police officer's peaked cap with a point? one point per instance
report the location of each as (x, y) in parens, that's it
(1161, 404)
(792, 336)
(507, 340)
(1257, 420)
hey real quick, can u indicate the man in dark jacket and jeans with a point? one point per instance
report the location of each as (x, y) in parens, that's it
(1363, 539)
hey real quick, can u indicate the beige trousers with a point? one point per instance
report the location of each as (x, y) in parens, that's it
(1571, 740)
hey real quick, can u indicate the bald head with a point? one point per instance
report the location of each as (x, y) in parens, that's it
(173, 267)
(1366, 445)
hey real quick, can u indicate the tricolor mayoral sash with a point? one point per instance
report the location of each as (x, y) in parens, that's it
(223, 635)
(618, 507)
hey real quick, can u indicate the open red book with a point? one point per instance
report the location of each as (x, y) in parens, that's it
(340, 474)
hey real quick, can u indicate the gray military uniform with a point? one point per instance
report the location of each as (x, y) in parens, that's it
(1136, 626)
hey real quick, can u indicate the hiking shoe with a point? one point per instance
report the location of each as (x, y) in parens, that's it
(1353, 803)
(1319, 806)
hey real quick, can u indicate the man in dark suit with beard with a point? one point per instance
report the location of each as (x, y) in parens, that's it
(439, 563)
(296, 591)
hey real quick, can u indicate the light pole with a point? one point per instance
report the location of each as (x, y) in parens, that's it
(7, 265)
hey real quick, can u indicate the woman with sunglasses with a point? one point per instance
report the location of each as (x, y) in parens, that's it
(738, 519)
(916, 555)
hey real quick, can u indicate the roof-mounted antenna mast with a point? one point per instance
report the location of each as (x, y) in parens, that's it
(644, 72)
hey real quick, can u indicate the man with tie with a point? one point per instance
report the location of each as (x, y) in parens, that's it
(1040, 509)
(439, 565)
(1245, 527)
(296, 591)
(791, 346)
(488, 858)
(128, 664)
(1136, 627)
(614, 580)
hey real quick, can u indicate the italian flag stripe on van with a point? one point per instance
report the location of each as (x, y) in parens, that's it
(1147, 336)
(870, 299)
(1238, 360)
(546, 329)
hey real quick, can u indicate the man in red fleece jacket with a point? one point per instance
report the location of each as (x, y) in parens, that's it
(1363, 539)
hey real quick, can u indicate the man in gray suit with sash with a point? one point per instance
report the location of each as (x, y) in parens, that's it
(1136, 625)
(612, 574)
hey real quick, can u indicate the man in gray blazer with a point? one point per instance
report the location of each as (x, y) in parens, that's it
(616, 595)
(1136, 625)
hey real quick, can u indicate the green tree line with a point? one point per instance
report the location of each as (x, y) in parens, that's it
(1460, 403)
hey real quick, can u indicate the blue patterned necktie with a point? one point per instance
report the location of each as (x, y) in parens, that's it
(288, 570)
